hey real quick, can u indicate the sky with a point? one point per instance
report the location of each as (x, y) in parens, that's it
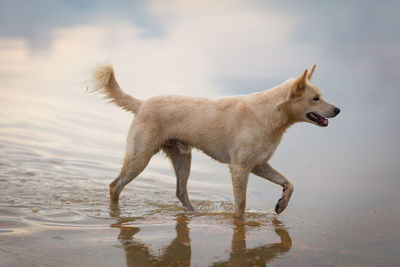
(221, 48)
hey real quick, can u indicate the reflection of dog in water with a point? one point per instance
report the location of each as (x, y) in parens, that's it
(242, 131)
(259, 256)
(178, 252)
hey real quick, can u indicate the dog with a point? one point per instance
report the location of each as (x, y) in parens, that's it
(242, 131)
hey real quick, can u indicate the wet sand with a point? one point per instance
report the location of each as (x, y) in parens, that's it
(49, 221)
(172, 237)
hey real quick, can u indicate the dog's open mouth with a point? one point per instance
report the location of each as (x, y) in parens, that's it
(318, 119)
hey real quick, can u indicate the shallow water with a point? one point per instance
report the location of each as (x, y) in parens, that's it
(60, 146)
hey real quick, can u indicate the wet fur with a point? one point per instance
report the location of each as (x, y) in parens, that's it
(242, 131)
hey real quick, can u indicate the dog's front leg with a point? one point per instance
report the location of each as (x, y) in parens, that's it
(269, 173)
(240, 178)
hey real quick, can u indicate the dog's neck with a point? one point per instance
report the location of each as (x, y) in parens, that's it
(272, 103)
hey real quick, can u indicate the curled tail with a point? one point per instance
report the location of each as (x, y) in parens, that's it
(104, 81)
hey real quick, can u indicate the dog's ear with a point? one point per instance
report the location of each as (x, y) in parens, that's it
(310, 72)
(300, 85)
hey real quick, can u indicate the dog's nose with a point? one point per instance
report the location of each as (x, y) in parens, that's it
(336, 110)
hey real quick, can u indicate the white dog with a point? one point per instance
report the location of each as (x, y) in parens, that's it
(242, 131)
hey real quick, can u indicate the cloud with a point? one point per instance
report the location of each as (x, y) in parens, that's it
(200, 43)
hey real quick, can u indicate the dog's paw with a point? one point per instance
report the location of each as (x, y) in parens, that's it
(188, 208)
(281, 205)
(284, 200)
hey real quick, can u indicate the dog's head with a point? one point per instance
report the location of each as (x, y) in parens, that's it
(306, 103)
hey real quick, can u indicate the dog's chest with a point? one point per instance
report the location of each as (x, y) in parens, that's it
(270, 151)
(255, 153)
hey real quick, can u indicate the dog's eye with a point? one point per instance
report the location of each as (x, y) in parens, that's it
(316, 98)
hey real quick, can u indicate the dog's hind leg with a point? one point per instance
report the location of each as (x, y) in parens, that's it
(138, 155)
(267, 172)
(181, 161)
(130, 170)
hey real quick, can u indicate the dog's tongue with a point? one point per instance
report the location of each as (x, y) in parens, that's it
(321, 120)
